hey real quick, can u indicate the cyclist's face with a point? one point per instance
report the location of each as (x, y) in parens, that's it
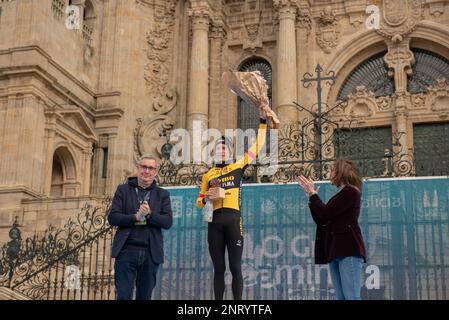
(222, 153)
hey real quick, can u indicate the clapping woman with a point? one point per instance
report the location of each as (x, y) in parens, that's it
(339, 240)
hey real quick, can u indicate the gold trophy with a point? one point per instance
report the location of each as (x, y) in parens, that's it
(215, 191)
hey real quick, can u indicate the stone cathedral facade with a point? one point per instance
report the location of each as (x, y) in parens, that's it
(83, 95)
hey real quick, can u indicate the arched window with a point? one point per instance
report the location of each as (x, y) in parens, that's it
(57, 178)
(430, 139)
(248, 116)
(88, 22)
(373, 74)
(428, 68)
(63, 179)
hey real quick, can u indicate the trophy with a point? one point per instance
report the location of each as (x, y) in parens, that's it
(252, 87)
(215, 191)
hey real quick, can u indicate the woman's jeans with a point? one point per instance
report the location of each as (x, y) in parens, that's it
(346, 274)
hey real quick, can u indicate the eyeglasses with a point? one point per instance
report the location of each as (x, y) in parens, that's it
(145, 168)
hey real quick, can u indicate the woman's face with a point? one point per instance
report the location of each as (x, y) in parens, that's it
(222, 153)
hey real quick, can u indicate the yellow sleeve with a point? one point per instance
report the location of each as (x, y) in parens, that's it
(203, 189)
(256, 147)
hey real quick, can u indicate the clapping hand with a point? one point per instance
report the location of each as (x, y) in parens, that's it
(143, 212)
(308, 186)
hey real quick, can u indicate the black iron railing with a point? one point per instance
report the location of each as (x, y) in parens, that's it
(70, 262)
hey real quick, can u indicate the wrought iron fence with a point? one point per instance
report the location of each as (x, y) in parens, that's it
(69, 262)
(304, 148)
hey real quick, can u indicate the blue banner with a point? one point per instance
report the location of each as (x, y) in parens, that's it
(404, 223)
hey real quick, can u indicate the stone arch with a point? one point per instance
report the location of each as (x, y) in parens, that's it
(57, 177)
(64, 180)
(373, 75)
(268, 74)
(247, 118)
(89, 10)
(431, 36)
(248, 56)
(235, 66)
(349, 55)
(427, 35)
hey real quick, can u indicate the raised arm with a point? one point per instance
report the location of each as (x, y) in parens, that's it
(254, 150)
(339, 204)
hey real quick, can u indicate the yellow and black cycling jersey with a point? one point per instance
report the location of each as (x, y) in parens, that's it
(231, 176)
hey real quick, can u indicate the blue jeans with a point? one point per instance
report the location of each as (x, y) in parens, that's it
(134, 268)
(346, 275)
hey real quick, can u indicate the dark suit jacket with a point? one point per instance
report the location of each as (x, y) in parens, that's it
(125, 205)
(338, 233)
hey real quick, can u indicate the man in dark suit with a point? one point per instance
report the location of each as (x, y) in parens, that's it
(140, 209)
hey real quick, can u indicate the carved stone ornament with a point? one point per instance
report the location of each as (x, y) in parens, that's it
(399, 17)
(253, 39)
(150, 133)
(418, 100)
(383, 103)
(159, 42)
(278, 4)
(218, 31)
(436, 9)
(438, 97)
(304, 19)
(399, 59)
(328, 30)
(362, 103)
(284, 8)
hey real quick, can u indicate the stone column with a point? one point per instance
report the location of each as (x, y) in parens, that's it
(401, 127)
(303, 28)
(87, 153)
(50, 130)
(286, 88)
(198, 103)
(399, 59)
(217, 39)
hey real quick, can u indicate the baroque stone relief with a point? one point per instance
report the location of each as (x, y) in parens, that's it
(418, 100)
(328, 29)
(399, 59)
(436, 9)
(149, 135)
(159, 42)
(438, 98)
(383, 103)
(399, 17)
(253, 38)
(361, 104)
(304, 19)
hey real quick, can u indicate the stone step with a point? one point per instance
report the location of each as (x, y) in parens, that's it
(8, 294)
